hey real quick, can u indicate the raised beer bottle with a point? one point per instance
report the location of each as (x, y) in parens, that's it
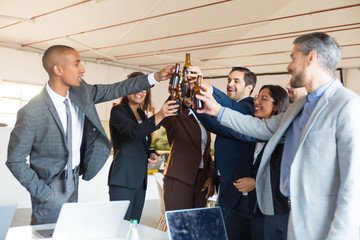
(187, 65)
(197, 103)
(185, 86)
(175, 78)
(175, 95)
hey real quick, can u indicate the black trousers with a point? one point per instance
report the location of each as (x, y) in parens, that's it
(136, 196)
(241, 224)
(276, 226)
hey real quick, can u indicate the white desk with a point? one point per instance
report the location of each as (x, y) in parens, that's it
(28, 232)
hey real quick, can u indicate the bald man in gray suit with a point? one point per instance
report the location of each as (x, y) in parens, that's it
(60, 131)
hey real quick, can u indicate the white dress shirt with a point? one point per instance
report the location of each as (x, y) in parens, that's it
(203, 138)
(77, 118)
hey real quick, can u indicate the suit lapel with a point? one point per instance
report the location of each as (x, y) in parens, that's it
(131, 113)
(321, 104)
(287, 119)
(193, 136)
(88, 108)
(53, 111)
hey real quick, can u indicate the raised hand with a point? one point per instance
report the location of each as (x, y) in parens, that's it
(210, 106)
(164, 74)
(167, 109)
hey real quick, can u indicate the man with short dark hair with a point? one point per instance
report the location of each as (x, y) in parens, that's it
(321, 157)
(60, 131)
(234, 158)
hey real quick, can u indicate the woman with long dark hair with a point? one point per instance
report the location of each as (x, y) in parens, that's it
(271, 100)
(130, 129)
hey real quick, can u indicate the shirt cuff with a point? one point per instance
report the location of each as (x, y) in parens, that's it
(152, 80)
(220, 114)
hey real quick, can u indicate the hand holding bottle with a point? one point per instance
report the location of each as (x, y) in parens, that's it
(169, 108)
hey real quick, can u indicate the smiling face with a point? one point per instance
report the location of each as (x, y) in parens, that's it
(137, 98)
(236, 85)
(264, 105)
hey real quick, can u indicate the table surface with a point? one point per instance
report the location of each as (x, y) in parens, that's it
(29, 232)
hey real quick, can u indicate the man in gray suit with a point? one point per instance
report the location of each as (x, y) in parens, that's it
(321, 157)
(60, 131)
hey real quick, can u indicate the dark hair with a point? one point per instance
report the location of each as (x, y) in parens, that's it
(327, 49)
(280, 96)
(56, 49)
(249, 76)
(146, 104)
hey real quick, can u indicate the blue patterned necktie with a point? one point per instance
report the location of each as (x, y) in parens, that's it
(69, 184)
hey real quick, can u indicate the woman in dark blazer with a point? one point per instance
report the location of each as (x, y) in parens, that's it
(189, 173)
(130, 130)
(271, 100)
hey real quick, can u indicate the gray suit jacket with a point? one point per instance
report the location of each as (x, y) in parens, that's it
(38, 133)
(324, 182)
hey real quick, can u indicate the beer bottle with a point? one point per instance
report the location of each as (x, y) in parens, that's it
(197, 103)
(175, 78)
(186, 66)
(175, 95)
(185, 86)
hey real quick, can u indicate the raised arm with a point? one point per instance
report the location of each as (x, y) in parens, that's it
(245, 124)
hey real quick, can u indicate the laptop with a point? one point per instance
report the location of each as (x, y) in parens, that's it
(7, 213)
(196, 224)
(92, 220)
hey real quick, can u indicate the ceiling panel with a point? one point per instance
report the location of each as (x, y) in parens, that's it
(149, 34)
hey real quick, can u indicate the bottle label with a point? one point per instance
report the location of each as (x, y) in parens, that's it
(197, 103)
(185, 90)
(174, 82)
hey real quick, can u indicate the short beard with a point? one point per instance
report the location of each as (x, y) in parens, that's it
(298, 81)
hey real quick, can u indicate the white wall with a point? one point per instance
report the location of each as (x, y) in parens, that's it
(26, 67)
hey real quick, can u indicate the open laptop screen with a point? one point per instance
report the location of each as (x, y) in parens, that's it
(90, 220)
(196, 223)
(7, 213)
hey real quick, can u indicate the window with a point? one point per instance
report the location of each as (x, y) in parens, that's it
(14, 96)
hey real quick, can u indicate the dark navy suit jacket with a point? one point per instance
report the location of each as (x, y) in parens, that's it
(233, 157)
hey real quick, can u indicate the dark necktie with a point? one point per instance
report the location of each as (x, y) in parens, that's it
(69, 184)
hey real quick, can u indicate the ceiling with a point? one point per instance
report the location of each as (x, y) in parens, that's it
(150, 34)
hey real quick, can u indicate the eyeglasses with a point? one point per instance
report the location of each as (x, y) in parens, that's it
(263, 98)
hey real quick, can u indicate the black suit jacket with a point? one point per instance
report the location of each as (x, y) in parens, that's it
(131, 148)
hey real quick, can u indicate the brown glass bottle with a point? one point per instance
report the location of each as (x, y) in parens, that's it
(175, 78)
(185, 87)
(175, 95)
(186, 66)
(197, 103)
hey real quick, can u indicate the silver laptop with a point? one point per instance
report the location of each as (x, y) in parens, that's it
(7, 213)
(196, 224)
(93, 220)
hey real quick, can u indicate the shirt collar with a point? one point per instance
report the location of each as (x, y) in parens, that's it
(315, 95)
(56, 98)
